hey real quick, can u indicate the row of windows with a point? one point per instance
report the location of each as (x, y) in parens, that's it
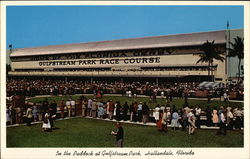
(112, 54)
(200, 68)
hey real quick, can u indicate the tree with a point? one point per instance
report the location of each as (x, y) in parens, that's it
(210, 52)
(237, 49)
(8, 68)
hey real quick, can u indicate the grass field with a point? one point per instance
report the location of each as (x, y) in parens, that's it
(83, 132)
(176, 101)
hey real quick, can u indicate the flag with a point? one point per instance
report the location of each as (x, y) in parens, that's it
(227, 24)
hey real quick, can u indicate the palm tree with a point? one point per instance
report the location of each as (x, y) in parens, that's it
(237, 50)
(210, 52)
(8, 68)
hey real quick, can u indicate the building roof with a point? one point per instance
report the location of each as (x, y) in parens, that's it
(178, 40)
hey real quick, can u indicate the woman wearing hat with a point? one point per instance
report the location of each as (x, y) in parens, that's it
(174, 121)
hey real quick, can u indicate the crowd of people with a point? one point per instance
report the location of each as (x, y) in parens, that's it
(188, 117)
(31, 87)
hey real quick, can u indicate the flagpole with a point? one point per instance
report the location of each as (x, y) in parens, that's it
(229, 59)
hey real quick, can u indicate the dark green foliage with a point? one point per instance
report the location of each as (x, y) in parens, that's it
(237, 50)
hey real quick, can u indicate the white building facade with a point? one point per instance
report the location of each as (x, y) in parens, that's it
(171, 56)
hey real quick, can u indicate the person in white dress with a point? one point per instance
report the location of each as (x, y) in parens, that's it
(174, 121)
(46, 124)
(157, 113)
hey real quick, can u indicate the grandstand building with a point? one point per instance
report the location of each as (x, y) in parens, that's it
(157, 58)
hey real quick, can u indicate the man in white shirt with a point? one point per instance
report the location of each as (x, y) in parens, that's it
(225, 96)
(73, 107)
(197, 115)
(162, 95)
(68, 105)
(139, 110)
(191, 122)
(222, 122)
(89, 113)
(94, 108)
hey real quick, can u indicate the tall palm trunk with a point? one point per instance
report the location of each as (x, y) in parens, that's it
(212, 72)
(239, 70)
(208, 70)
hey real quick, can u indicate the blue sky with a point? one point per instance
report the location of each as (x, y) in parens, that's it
(31, 26)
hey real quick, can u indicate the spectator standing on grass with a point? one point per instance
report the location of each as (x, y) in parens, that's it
(19, 115)
(222, 122)
(100, 109)
(209, 116)
(119, 134)
(52, 112)
(197, 116)
(73, 107)
(215, 117)
(110, 108)
(114, 114)
(29, 116)
(125, 109)
(39, 109)
(191, 122)
(174, 121)
(157, 113)
(168, 115)
(89, 111)
(229, 118)
(118, 111)
(184, 118)
(84, 107)
(131, 111)
(145, 113)
(68, 105)
(35, 112)
(139, 110)
(162, 95)
(135, 109)
(159, 122)
(165, 120)
(107, 108)
(45, 106)
(46, 123)
(62, 107)
(225, 96)
(238, 121)
(94, 108)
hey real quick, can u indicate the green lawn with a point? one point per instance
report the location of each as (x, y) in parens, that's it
(82, 132)
(178, 102)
